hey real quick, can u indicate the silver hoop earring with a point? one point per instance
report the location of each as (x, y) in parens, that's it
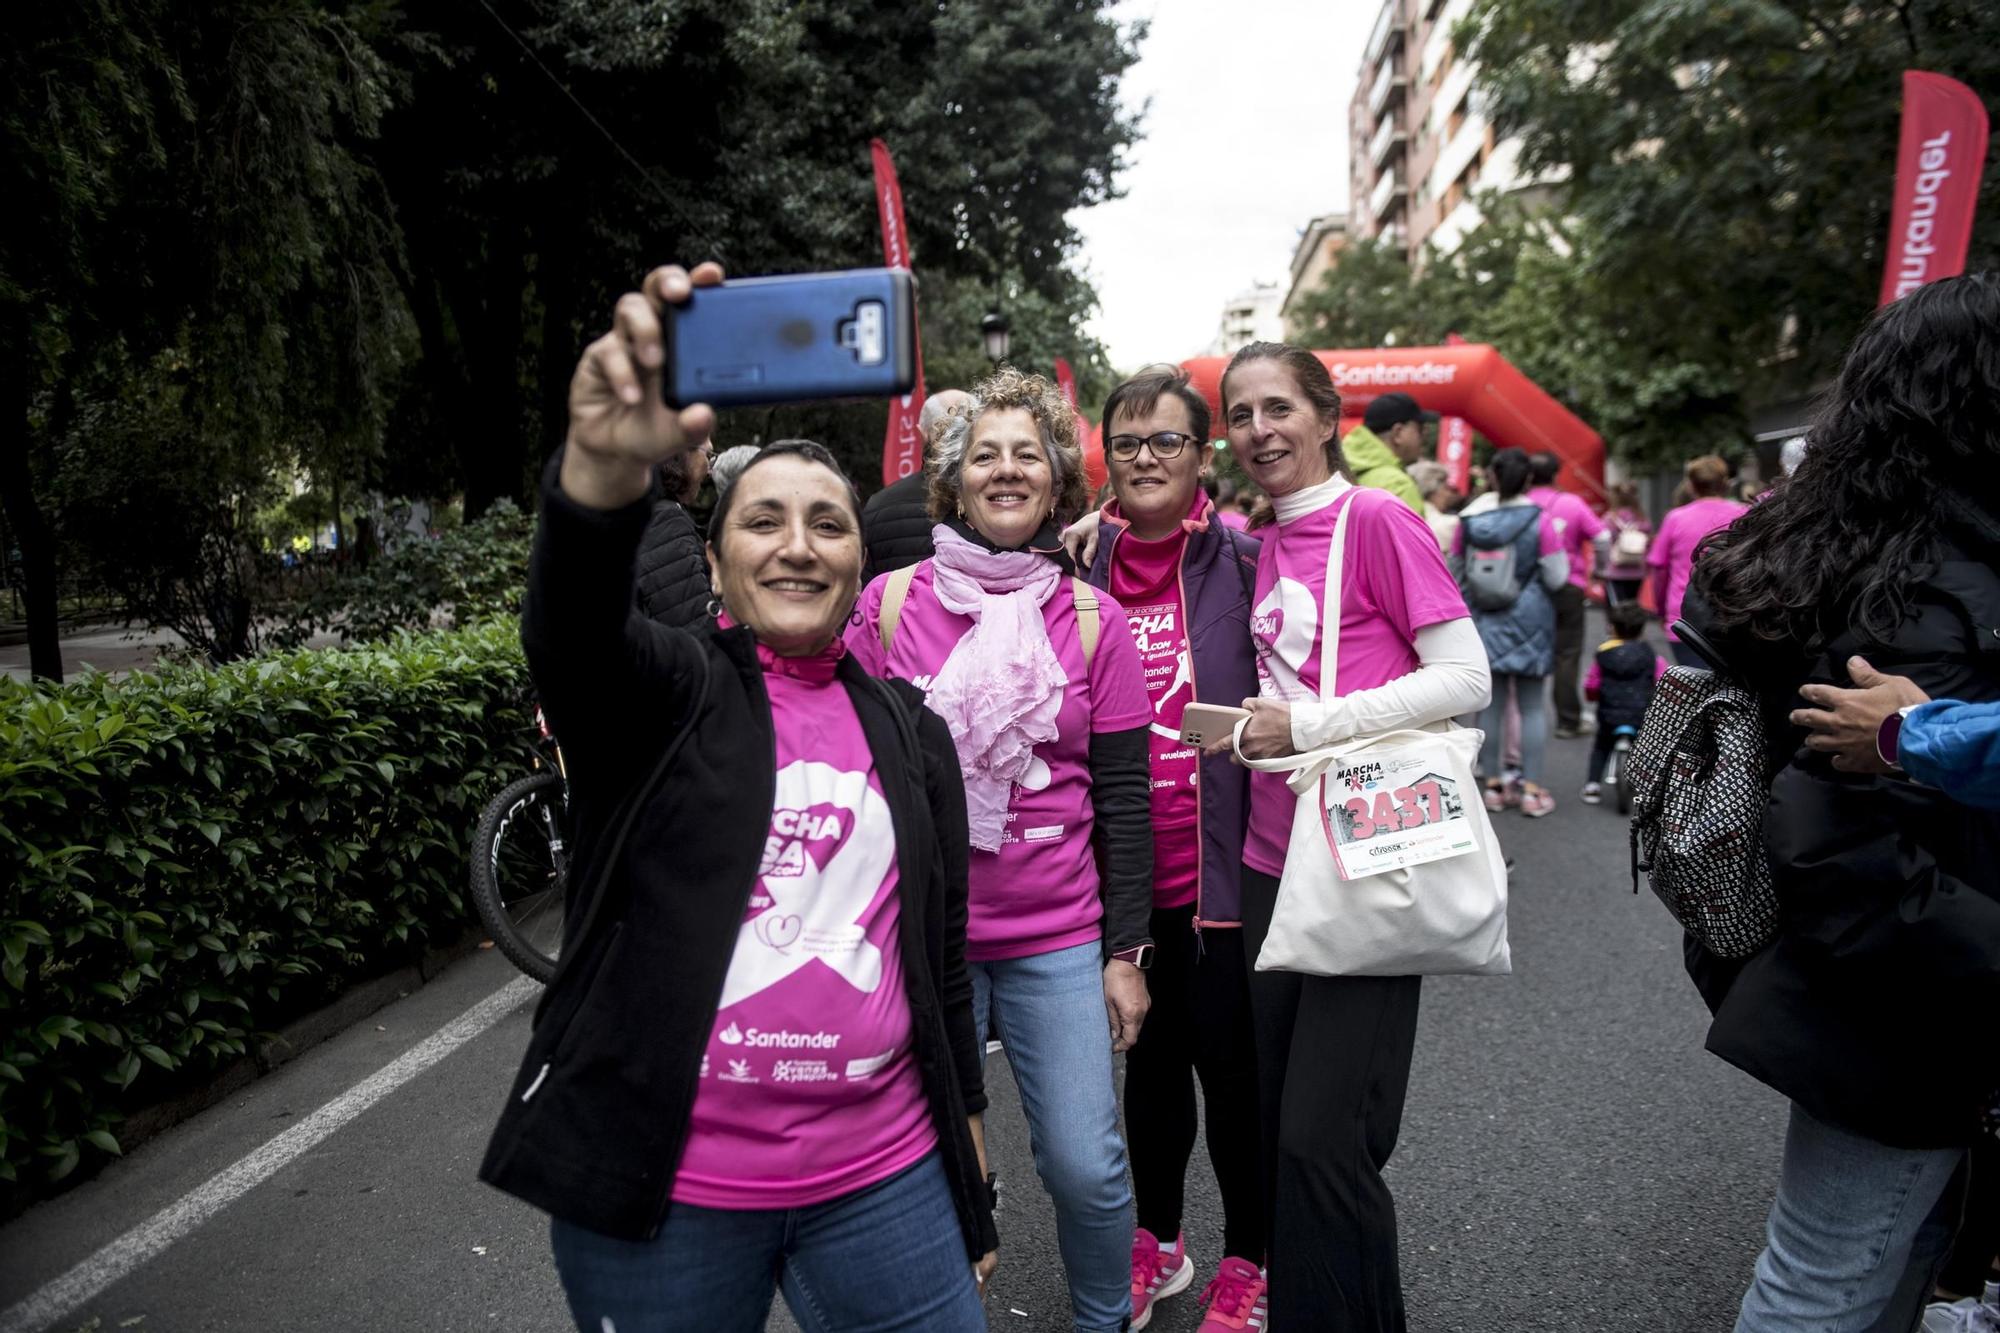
(714, 607)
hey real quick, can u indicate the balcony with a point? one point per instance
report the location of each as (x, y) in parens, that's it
(1389, 137)
(1390, 26)
(1388, 192)
(1389, 83)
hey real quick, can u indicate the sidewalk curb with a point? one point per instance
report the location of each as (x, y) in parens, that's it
(344, 1011)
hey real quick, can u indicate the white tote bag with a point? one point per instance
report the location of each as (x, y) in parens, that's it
(1393, 868)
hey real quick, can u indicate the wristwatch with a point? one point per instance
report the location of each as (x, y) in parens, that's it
(1139, 956)
(1889, 734)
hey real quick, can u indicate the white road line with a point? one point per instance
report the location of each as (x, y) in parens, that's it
(143, 1243)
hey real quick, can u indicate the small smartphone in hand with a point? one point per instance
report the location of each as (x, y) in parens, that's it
(799, 338)
(1202, 723)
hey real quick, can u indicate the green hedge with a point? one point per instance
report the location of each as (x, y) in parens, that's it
(188, 860)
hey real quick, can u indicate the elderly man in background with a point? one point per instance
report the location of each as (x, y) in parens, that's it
(1433, 483)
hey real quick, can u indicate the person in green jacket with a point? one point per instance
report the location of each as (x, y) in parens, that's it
(1390, 436)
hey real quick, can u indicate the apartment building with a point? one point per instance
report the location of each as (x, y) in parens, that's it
(1421, 147)
(1318, 250)
(1254, 314)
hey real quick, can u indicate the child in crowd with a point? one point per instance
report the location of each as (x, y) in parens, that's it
(1620, 681)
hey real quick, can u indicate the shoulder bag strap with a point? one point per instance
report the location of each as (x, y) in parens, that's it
(1087, 624)
(894, 593)
(1329, 626)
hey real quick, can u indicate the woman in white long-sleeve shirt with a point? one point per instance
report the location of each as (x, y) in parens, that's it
(1333, 1052)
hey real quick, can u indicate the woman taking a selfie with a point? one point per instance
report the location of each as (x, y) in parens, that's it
(1038, 680)
(756, 1068)
(1333, 1053)
(1872, 1009)
(1184, 579)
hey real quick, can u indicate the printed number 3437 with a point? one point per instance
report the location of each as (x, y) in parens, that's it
(1391, 812)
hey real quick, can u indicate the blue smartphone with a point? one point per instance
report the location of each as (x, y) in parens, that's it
(790, 339)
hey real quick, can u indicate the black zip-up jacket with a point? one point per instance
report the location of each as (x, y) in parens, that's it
(672, 569)
(896, 526)
(1626, 674)
(595, 1123)
(1873, 1007)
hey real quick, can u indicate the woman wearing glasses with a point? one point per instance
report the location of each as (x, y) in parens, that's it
(1184, 579)
(1039, 681)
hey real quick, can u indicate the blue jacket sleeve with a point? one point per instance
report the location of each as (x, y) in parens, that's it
(1954, 747)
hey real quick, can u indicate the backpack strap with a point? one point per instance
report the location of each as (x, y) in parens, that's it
(894, 593)
(1087, 623)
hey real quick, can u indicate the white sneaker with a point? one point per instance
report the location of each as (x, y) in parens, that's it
(1592, 793)
(1967, 1316)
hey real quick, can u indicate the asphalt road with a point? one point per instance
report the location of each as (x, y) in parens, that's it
(1570, 1159)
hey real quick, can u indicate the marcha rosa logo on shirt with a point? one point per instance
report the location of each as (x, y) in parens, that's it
(1287, 620)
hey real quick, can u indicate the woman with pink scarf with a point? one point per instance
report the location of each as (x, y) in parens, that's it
(1039, 680)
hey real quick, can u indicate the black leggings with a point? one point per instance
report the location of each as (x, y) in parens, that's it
(1333, 1062)
(1199, 1024)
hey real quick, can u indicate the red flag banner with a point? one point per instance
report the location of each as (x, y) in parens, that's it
(1937, 182)
(903, 443)
(1066, 382)
(1455, 440)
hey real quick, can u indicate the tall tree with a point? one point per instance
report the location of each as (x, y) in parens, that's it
(1729, 164)
(567, 144)
(209, 268)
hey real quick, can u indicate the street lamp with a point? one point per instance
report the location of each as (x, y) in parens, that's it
(993, 331)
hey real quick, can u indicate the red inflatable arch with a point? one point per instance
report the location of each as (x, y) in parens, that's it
(1469, 380)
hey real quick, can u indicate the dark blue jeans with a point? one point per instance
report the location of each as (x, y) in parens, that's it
(885, 1259)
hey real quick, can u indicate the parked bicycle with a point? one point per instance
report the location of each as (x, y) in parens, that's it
(520, 863)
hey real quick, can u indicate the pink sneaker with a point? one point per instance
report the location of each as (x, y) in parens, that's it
(1236, 1299)
(1156, 1274)
(1536, 801)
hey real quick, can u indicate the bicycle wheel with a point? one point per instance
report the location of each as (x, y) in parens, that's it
(520, 864)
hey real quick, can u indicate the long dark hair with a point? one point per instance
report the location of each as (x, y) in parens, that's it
(1511, 471)
(1914, 419)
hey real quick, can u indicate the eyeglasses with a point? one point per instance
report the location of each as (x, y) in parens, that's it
(1167, 444)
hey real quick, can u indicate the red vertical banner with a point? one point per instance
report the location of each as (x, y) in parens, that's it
(1086, 434)
(1455, 441)
(1937, 182)
(903, 443)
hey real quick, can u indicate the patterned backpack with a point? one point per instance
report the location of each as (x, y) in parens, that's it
(1700, 788)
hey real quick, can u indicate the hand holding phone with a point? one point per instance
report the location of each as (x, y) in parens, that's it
(619, 425)
(1204, 723)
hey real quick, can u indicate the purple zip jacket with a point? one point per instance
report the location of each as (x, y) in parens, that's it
(1218, 579)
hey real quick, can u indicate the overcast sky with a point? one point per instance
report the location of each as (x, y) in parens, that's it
(1245, 142)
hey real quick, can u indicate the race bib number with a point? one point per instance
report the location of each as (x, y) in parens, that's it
(1392, 811)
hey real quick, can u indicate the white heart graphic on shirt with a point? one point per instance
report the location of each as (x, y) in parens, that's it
(1291, 606)
(818, 908)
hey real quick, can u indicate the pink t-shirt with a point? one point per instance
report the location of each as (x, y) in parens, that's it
(1576, 526)
(1038, 893)
(1396, 583)
(809, 1089)
(1146, 580)
(1232, 519)
(1673, 545)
